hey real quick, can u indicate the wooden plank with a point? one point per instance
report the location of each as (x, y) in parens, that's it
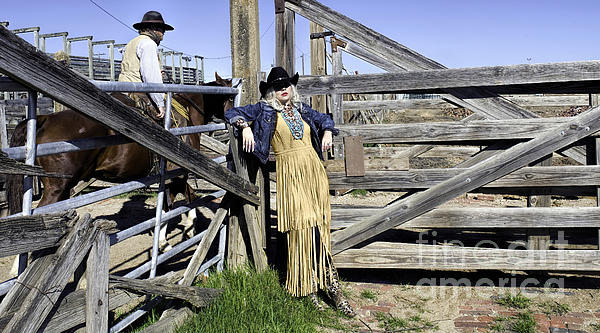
(258, 253)
(426, 178)
(436, 81)
(97, 285)
(439, 104)
(13, 299)
(23, 63)
(548, 100)
(71, 310)
(199, 297)
(437, 151)
(354, 156)
(317, 64)
(169, 322)
(213, 144)
(44, 291)
(419, 256)
(474, 177)
(3, 130)
(236, 247)
(336, 109)
(397, 57)
(373, 164)
(205, 243)
(539, 239)
(486, 153)
(482, 218)
(398, 104)
(480, 130)
(12, 167)
(31, 233)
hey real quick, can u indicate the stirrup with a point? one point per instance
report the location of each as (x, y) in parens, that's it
(316, 302)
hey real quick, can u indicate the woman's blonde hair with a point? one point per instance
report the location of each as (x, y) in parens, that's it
(271, 99)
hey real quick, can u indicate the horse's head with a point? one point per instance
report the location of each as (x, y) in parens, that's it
(219, 103)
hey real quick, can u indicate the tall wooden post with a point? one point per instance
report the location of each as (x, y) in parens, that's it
(336, 99)
(245, 47)
(317, 63)
(285, 31)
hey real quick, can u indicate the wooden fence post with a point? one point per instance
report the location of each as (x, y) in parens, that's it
(336, 99)
(248, 210)
(236, 248)
(317, 63)
(3, 130)
(245, 47)
(285, 41)
(97, 285)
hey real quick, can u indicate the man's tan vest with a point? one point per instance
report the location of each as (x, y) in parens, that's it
(130, 65)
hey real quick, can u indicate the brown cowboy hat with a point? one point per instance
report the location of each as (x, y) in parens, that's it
(277, 76)
(152, 18)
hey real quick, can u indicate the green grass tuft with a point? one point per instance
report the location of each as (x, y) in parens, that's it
(554, 308)
(359, 192)
(369, 294)
(414, 323)
(518, 301)
(256, 302)
(523, 322)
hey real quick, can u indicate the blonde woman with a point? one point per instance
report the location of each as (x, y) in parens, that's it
(299, 135)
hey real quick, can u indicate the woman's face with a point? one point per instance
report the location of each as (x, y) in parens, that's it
(284, 94)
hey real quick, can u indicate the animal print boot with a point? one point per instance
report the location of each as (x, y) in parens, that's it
(316, 301)
(314, 298)
(335, 292)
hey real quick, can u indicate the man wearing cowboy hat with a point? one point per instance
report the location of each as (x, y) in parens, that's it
(140, 59)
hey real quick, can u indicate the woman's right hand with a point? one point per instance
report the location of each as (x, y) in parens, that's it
(247, 140)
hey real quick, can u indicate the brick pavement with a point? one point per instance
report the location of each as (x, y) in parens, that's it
(470, 314)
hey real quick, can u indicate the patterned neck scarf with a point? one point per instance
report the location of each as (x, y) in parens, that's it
(294, 121)
(153, 35)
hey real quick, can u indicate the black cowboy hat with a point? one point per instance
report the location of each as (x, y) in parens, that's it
(278, 75)
(152, 18)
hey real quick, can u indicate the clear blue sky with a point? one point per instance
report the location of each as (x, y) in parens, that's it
(459, 33)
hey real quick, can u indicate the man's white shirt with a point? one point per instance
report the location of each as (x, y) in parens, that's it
(147, 52)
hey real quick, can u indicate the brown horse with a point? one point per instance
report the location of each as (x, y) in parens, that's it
(120, 163)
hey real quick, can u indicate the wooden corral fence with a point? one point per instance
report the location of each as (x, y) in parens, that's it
(510, 152)
(39, 298)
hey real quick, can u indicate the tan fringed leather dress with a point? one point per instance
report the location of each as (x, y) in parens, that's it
(303, 210)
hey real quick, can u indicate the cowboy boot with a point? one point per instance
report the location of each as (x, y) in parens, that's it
(335, 293)
(315, 301)
(314, 298)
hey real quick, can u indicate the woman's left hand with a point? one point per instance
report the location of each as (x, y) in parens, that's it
(327, 141)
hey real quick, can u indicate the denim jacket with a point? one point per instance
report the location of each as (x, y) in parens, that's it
(263, 117)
